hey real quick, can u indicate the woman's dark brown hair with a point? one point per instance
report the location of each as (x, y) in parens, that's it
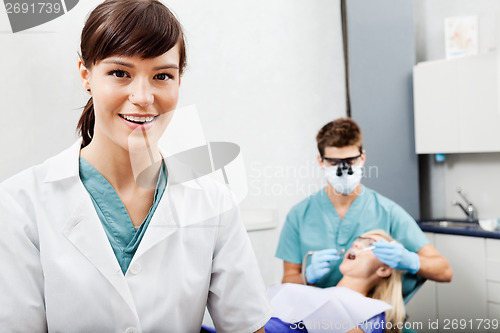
(340, 133)
(126, 28)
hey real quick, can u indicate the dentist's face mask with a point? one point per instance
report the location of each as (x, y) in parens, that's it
(343, 174)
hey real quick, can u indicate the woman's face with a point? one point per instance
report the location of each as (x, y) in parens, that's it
(133, 98)
(363, 264)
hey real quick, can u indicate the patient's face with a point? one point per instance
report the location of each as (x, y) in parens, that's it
(362, 264)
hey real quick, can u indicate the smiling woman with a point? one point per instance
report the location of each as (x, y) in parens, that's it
(115, 46)
(140, 94)
(97, 239)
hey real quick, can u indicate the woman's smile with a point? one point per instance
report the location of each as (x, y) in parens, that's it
(144, 122)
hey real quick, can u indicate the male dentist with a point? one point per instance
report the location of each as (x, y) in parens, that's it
(332, 218)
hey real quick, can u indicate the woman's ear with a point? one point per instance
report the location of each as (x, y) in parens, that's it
(84, 75)
(384, 271)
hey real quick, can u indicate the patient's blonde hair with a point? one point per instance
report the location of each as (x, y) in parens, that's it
(390, 290)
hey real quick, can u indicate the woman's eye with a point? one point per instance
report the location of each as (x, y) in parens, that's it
(164, 76)
(118, 73)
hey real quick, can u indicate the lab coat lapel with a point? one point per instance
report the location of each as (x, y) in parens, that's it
(85, 231)
(164, 221)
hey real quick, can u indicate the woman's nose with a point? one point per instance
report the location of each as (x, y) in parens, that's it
(142, 93)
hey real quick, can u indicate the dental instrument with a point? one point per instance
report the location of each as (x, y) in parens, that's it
(369, 248)
(304, 262)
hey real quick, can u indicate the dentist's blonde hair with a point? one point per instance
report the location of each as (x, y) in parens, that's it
(390, 290)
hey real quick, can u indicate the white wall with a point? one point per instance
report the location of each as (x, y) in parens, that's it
(475, 173)
(40, 90)
(430, 15)
(263, 74)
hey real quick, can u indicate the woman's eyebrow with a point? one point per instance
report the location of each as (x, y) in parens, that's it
(118, 62)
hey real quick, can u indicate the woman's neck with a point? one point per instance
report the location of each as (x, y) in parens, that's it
(120, 166)
(361, 285)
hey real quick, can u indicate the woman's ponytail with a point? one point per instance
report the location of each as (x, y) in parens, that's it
(85, 125)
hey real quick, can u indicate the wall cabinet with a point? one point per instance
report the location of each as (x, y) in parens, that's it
(493, 278)
(465, 296)
(474, 292)
(456, 105)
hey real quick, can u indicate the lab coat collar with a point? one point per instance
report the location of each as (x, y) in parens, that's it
(64, 165)
(85, 231)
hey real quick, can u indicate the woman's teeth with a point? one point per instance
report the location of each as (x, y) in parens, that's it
(138, 120)
(351, 255)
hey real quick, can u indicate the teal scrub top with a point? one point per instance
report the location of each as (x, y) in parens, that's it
(122, 235)
(313, 225)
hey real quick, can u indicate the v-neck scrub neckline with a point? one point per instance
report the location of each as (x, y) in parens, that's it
(122, 235)
(342, 229)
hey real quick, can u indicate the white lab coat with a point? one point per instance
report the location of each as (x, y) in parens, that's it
(59, 272)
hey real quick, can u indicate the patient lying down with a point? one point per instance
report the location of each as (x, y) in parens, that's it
(367, 299)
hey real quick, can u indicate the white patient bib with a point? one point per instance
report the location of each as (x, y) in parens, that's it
(335, 309)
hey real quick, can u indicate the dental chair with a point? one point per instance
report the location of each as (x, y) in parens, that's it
(411, 284)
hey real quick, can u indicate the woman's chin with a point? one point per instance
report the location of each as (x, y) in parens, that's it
(138, 142)
(343, 267)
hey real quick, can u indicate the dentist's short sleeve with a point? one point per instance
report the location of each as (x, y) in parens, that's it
(289, 243)
(406, 230)
(237, 299)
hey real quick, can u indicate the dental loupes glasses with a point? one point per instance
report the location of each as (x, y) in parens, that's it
(342, 163)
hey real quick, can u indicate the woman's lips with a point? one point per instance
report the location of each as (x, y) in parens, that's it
(134, 125)
(351, 255)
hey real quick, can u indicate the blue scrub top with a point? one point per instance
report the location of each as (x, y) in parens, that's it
(122, 235)
(313, 225)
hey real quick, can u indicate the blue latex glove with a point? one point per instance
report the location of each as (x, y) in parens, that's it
(320, 264)
(396, 256)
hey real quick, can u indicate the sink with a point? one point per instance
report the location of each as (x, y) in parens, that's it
(482, 228)
(450, 224)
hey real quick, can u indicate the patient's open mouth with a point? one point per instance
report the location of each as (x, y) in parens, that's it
(351, 255)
